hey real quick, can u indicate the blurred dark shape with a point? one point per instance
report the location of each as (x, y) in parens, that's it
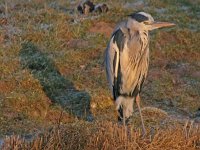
(86, 7)
(2, 10)
(80, 9)
(101, 8)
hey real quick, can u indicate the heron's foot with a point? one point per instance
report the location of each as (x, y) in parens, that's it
(127, 120)
(144, 132)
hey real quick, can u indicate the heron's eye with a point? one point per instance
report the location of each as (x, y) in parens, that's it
(146, 22)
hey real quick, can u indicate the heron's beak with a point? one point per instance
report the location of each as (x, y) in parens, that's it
(156, 25)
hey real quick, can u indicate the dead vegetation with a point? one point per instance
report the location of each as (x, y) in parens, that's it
(108, 135)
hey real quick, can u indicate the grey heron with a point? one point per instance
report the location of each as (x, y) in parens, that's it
(127, 61)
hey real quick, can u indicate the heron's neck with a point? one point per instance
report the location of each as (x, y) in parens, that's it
(144, 35)
(144, 38)
(135, 28)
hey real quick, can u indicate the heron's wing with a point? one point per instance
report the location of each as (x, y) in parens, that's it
(133, 64)
(112, 60)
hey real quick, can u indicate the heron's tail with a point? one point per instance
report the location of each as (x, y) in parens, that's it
(124, 105)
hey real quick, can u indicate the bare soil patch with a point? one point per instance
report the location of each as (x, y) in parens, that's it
(102, 28)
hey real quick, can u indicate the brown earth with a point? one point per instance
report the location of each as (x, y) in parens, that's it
(103, 28)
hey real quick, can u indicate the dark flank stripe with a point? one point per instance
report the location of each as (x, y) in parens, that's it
(117, 80)
(117, 83)
(119, 38)
(115, 88)
(138, 88)
(138, 17)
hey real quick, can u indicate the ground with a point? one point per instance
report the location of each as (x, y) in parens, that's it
(52, 76)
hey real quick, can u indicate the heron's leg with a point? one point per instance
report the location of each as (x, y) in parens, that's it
(124, 119)
(120, 114)
(138, 105)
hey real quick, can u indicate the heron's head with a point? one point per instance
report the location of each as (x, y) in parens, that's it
(144, 21)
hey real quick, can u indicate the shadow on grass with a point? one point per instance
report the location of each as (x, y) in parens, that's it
(60, 90)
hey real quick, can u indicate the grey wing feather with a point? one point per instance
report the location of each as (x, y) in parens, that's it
(113, 50)
(109, 62)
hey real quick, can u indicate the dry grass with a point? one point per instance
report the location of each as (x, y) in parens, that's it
(107, 135)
